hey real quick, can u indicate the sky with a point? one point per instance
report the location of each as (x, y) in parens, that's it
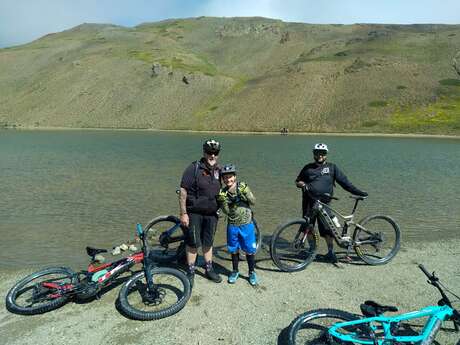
(22, 21)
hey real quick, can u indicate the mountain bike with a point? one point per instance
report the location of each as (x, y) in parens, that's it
(166, 238)
(152, 293)
(333, 327)
(376, 239)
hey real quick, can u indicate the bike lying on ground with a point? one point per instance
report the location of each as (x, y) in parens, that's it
(166, 238)
(333, 327)
(376, 238)
(153, 293)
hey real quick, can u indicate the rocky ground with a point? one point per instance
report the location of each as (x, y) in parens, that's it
(240, 314)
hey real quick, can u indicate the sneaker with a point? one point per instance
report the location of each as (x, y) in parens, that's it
(233, 277)
(191, 278)
(253, 279)
(331, 257)
(212, 275)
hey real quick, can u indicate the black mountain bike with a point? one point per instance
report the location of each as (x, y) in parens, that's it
(376, 239)
(153, 293)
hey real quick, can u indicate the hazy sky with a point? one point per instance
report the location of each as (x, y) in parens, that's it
(22, 21)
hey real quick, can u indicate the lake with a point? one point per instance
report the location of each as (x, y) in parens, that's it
(63, 190)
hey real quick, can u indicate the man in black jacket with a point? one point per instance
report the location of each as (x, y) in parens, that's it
(319, 177)
(199, 188)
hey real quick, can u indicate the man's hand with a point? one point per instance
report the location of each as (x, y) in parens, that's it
(184, 220)
(300, 184)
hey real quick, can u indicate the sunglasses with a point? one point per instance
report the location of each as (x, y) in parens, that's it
(320, 153)
(215, 153)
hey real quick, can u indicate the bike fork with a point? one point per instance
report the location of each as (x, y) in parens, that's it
(149, 279)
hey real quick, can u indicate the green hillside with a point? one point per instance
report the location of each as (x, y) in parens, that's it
(243, 74)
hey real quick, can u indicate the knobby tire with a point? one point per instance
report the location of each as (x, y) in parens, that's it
(285, 251)
(134, 312)
(154, 229)
(370, 223)
(317, 334)
(48, 302)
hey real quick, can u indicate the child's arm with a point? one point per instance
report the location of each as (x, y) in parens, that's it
(222, 200)
(246, 193)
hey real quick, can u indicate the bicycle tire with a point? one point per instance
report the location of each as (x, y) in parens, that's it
(311, 327)
(288, 254)
(48, 302)
(166, 252)
(388, 237)
(132, 308)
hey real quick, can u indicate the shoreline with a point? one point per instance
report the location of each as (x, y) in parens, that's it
(343, 134)
(232, 314)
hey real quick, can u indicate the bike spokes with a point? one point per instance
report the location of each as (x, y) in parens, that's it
(378, 240)
(291, 248)
(42, 291)
(167, 291)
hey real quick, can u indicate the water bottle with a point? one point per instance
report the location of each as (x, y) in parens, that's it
(336, 221)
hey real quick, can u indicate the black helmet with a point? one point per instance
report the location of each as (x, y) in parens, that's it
(228, 169)
(211, 147)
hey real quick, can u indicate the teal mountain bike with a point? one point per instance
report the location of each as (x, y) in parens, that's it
(334, 327)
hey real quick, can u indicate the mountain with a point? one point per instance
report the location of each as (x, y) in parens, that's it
(239, 74)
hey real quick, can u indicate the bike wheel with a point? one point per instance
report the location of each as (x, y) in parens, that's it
(165, 238)
(290, 249)
(378, 241)
(41, 291)
(311, 328)
(171, 294)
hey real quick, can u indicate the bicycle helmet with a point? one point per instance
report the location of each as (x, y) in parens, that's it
(228, 169)
(320, 147)
(211, 147)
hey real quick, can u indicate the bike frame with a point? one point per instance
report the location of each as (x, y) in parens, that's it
(436, 314)
(116, 268)
(121, 266)
(347, 220)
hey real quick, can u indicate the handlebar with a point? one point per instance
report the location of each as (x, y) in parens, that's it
(431, 277)
(433, 280)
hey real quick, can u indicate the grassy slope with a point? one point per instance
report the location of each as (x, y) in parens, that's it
(243, 74)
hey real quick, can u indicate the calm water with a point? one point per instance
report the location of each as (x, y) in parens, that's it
(63, 190)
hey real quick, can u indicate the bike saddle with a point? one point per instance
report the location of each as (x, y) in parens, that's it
(371, 308)
(94, 251)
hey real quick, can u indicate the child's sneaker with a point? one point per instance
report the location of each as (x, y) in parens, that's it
(233, 277)
(253, 279)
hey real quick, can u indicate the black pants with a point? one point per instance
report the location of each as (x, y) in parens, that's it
(312, 216)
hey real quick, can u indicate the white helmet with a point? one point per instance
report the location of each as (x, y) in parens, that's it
(320, 147)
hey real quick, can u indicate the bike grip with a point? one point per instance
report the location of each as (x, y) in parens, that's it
(424, 270)
(139, 229)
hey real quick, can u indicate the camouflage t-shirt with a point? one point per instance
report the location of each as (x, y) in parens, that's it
(236, 204)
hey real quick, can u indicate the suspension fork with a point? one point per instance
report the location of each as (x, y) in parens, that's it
(151, 288)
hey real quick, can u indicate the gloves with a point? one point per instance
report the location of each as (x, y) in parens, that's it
(222, 196)
(243, 188)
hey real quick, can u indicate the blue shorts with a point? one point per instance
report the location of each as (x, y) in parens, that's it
(241, 237)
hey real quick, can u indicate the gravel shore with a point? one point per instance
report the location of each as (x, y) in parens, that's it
(240, 314)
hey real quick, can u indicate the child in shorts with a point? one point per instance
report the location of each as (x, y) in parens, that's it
(235, 199)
